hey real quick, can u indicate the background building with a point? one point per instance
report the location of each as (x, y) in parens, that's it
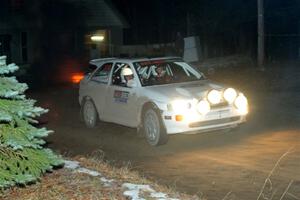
(54, 34)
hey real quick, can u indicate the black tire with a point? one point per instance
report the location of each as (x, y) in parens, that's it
(155, 133)
(89, 113)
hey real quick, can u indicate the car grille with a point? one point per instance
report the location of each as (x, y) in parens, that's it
(220, 105)
(214, 122)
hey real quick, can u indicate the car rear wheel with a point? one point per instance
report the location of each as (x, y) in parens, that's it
(153, 128)
(89, 113)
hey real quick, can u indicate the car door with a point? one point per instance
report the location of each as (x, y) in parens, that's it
(98, 86)
(121, 106)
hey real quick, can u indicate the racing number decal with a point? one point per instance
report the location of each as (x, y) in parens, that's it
(121, 96)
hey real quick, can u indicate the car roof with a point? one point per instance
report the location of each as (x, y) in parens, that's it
(101, 60)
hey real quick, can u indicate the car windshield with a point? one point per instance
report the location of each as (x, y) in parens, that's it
(159, 72)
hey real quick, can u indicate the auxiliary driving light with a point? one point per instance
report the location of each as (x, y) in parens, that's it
(203, 107)
(180, 105)
(229, 95)
(241, 103)
(214, 96)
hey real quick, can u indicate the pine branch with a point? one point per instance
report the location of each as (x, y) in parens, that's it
(22, 156)
(23, 136)
(6, 69)
(11, 88)
(21, 167)
(24, 109)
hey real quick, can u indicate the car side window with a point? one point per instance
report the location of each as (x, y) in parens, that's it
(118, 77)
(91, 68)
(102, 74)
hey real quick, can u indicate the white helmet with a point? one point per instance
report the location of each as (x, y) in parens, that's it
(126, 72)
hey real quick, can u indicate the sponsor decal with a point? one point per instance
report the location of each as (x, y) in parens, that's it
(121, 96)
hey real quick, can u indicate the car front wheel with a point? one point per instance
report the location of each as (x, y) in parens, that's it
(153, 128)
(89, 113)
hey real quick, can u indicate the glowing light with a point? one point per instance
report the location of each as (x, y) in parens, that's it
(214, 96)
(229, 95)
(97, 38)
(180, 106)
(241, 103)
(203, 107)
(179, 117)
(76, 78)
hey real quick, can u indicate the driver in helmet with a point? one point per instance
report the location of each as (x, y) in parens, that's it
(161, 71)
(127, 77)
(161, 74)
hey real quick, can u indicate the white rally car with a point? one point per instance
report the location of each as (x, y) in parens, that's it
(159, 97)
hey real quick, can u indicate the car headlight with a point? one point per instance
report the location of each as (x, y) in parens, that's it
(203, 107)
(241, 103)
(229, 95)
(214, 96)
(180, 105)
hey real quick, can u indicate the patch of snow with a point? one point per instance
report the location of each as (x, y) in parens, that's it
(131, 186)
(158, 195)
(71, 164)
(107, 182)
(88, 171)
(107, 185)
(133, 192)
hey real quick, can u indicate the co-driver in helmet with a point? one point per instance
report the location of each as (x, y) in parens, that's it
(127, 77)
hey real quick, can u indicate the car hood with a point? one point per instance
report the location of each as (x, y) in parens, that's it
(189, 90)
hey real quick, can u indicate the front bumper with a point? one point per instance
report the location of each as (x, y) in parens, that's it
(193, 122)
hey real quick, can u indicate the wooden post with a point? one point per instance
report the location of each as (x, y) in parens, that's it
(261, 34)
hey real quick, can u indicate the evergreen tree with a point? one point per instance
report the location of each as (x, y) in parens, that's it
(22, 156)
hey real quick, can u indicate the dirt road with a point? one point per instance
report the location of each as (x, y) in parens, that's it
(215, 165)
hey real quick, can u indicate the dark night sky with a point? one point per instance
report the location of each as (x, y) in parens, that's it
(224, 27)
(159, 20)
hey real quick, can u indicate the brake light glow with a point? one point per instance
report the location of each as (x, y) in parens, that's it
(76, 78)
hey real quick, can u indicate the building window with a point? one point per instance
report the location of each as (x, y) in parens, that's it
(24, 47)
